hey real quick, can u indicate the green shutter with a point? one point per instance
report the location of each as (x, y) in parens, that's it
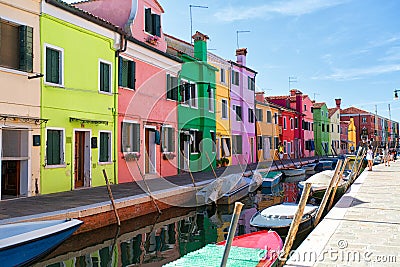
(148, 25)
(26, 48)
(169, 89)
(136, 137)
(104, 141)
(120, 65)
(156, 25)
(131, 74)
(175, 88)
(49, 148)
(53, 152)
(52, 66)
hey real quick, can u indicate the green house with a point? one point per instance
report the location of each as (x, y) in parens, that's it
(196, 108)
(78, 99)
(321, 129)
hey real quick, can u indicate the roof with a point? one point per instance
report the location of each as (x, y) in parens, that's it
(354, 110)
(86, 15)
(332, 111)
(241, 66)
(278, 97)
(319, 105)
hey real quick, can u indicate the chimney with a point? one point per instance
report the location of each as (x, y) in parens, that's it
(338, 102)
(241, 56)
(293, 92)
(200, 46)
(260, 97)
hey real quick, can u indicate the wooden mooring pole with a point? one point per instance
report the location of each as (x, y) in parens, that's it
(212, 168)
(328, 192)
(337, 183)
(294, 226)
(111, 197)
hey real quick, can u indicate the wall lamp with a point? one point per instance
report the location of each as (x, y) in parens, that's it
(396, 96)
(37, 75)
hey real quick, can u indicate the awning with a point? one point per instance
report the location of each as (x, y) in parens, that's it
(71, 119)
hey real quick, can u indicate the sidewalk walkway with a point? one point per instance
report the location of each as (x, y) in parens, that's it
(363, 229)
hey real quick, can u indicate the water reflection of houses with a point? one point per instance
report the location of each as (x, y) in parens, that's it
(146, 241)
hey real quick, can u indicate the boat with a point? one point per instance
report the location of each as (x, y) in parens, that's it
(320, 182)
(279, 217)
(309, 167)
(228, 189)
(294, 172)
(254, 249)
(324, 165)
(271, 179)
(23, 243)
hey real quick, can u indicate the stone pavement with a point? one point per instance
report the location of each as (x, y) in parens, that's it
(363, 229)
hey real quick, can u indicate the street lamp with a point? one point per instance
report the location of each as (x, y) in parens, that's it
(191, 21)
(396, 96)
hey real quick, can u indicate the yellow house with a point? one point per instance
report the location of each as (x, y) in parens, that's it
(267, 128)
(20, 92)
(223, 113)
(352, 136)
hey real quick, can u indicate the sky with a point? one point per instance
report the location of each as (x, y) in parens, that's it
(348, 49)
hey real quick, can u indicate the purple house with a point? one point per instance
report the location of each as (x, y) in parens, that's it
(242, 109)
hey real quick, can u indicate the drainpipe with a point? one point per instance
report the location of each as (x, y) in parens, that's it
(122, 48)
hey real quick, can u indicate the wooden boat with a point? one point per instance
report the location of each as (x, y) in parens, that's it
(271, 179)
(279, 217)
(309, 167)
(245, 251)
(324, 165)
(228, 189)
(23, 243)
(320, 182)
(294, 172)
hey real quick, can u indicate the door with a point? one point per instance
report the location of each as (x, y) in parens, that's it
(184, 151)
(82, 159)
(252, 149)
(10, 177)
(150, 148)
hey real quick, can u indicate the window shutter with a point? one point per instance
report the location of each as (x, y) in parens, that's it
(106, 69)
(55, 66)
(132, 74)
(156, 25)
(49, 148)
(136, 140)
(171, 139)
(120, 65)
(169, 90)
(103, 147)
(187, 92)
(26, 48)
(174, 86)
(148, 20)
(124, 136)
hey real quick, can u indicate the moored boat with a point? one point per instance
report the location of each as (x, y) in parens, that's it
(279, 217)
(23, 243)
(324, 165)
(294, 172)
(253, 249)
(309, 167)
(271, 179)
(320, 182)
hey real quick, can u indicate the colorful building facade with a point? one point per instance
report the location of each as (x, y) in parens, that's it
(321, 126)
(20, 98)
(78, 99)
(242, 106)
(196, 108)
(308, 127)
(334, 128)
(222, 104)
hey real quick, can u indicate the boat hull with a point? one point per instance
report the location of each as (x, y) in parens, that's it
(294, 172)
(269, 182)
(32, 247)
(234, 196)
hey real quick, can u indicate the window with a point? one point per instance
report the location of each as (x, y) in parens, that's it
(105, 77)
(126, 73)
(213, 144)
(222, 75)
(312, 126)
(237, 144)
(105, 147)
(259, 142)
(284, 122)
(270, 142)
(312, 109)
(296, 123)
(251, 115)
(251, 84)
(322, 113)
(235, 77)
(188, 93)
(275, 118)
(284, 146)
(259, 114)
(327, 128)
(269, 116)
(130, 137)
(54, 65)
(168, 139)
(55, 147)
(305, 107)
(291, 124)
(276, 142)
(152, 23)
(226, 147)
(196, 138)
(210, 99)
(364, 119)
(224, 108)
(16, 49)
(172, 87)
(238, 111)
(323, 127)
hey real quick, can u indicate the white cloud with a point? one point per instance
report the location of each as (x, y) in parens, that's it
(282, 7)
(358, 73)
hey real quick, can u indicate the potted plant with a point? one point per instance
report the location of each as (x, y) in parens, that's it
(224, 162)
(218, 163)
(131, 156)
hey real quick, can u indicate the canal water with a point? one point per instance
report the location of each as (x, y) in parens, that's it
(154, 240)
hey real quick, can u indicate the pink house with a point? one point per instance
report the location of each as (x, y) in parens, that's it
(147, 89)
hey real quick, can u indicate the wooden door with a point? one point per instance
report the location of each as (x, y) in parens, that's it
(10, 177)
(147, 150)
(79, 166)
